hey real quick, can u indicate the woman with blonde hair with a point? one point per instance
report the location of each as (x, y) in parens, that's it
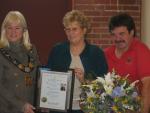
(19, 62)
(77, 54)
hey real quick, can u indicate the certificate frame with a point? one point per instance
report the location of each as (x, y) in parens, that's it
(58, 88)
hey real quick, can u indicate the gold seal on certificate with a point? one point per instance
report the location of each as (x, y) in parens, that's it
(43, 99)
(56, 90)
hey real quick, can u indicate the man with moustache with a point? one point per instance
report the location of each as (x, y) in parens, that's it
(129, 56)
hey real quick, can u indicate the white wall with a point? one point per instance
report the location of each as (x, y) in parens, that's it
(145, 20)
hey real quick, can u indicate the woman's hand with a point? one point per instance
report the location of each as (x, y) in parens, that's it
(28, 108)
(79, 73)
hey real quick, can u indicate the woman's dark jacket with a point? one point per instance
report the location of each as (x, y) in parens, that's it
(92, 58)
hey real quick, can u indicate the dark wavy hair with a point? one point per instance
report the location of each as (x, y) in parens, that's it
(122, 19)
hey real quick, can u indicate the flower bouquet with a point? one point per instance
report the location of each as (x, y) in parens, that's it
(111, 94)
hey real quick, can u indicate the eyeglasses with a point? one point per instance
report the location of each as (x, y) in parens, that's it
(75, 29)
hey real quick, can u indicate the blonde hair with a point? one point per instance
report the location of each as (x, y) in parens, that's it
(15, 16)
(76, 16)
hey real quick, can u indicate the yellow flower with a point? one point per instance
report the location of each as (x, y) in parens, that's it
(116, 99)
(138, 98)
(124, 101)
(114, 108)
(90, 99)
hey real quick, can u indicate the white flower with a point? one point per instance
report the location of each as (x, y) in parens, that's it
(90, 93)
(123, 87)
(101, 80)
(103, 96)
(133, 83)
(108, 89)
(109, 80)
(128, 107)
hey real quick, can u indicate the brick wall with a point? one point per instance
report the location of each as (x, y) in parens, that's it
(99, 13)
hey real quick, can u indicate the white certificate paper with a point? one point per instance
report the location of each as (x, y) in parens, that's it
(54, 90)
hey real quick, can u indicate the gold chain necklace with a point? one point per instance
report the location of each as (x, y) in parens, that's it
(25, 68)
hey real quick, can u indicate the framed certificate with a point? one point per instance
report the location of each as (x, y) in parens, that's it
(56, 90)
